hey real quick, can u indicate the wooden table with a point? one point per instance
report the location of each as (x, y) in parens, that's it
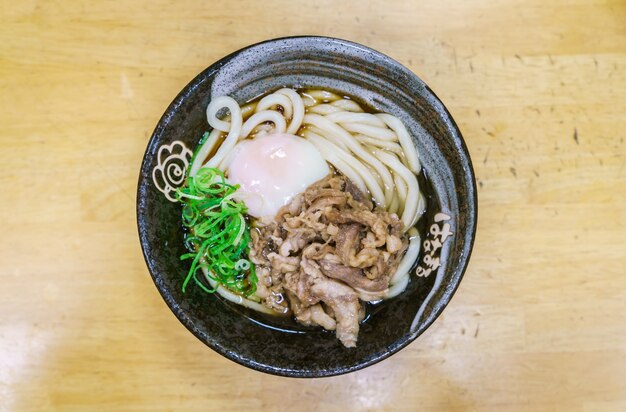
(538, 89)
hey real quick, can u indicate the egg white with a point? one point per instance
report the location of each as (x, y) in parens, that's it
(272, 169)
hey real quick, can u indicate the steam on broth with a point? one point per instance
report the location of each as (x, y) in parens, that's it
(302, 203)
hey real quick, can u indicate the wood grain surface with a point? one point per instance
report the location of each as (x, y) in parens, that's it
(538, 88)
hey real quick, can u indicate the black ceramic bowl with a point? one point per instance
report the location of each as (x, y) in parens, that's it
(280, 346)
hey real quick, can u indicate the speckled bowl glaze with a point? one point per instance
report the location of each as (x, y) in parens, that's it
(278, 346)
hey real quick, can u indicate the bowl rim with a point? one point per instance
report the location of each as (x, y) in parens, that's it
(175, 308)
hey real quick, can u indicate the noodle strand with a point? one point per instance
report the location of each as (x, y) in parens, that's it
(406, 142)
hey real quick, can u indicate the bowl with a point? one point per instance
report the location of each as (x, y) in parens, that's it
(279, 346)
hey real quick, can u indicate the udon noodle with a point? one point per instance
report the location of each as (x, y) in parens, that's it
(373, 150)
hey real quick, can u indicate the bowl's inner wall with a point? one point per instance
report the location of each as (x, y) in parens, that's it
(376, 81)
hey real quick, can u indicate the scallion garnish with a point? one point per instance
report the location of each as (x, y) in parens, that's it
(219, 236)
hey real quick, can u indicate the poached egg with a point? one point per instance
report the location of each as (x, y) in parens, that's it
(272, 169)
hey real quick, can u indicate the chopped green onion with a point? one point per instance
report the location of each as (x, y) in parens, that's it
(219, 236)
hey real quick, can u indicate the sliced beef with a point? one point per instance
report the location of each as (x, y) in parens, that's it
(324, 252)
(352, 276)
(311, 315)
(341, 298)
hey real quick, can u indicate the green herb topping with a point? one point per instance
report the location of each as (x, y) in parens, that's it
(218, 236)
